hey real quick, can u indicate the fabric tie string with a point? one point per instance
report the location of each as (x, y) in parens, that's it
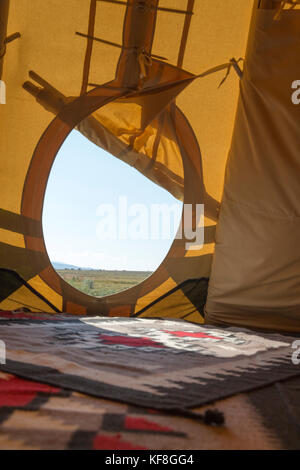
(233, 63)
(145, 61)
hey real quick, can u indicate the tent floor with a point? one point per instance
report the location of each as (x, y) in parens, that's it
(36, 415)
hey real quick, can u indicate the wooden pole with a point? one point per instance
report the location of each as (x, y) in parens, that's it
(4, 8)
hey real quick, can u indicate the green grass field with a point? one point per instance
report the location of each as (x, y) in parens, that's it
(100, 283)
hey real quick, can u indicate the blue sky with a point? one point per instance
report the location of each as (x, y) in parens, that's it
(83, 177)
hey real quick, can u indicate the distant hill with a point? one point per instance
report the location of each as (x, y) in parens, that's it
(59, 265)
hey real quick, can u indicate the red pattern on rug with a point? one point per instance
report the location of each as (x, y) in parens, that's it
(21, 315)
(18, 392)
(104, 442)
(187, 334)
(141, 424)
(136, 342)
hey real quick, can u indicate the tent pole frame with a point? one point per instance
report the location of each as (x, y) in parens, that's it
(4, 9)
(4, 39)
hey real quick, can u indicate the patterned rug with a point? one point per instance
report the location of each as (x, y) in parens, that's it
(38, 416)
(162, 364)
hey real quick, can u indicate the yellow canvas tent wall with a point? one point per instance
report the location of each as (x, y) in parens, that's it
(255, 279)
(131, 76)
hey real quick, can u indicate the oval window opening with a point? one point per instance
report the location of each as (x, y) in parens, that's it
(106, 226)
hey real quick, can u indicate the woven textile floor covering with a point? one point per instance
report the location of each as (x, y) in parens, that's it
(38, 416)
(162, 364)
